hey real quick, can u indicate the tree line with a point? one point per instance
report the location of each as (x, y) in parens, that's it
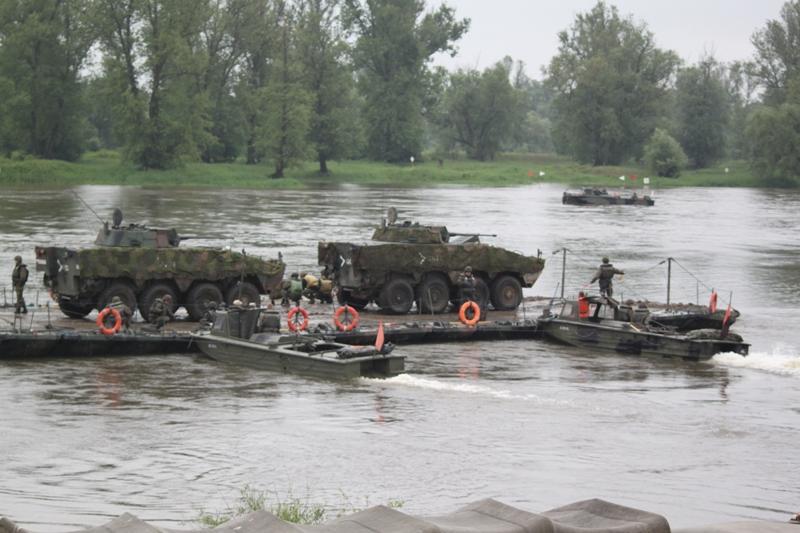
(167, 81)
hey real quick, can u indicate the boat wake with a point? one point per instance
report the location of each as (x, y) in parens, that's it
(782, 360)
(408, 380)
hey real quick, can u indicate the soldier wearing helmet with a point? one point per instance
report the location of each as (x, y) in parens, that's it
(125, 312)
(19, 277)
(161, 311)
(604, 276)
(466, 284)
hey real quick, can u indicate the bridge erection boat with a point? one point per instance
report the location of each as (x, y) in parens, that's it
(250, 338)
(597, 196)
(602, 323)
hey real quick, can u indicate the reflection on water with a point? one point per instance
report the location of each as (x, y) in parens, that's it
(532, 424)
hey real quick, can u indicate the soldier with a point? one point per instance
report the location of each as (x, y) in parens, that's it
(604, 276)
(466, 285)
(124, 312)
(310, 286)
(161, 311)
(468, 290)
(295, 289)
(19, 277)
(210, 315)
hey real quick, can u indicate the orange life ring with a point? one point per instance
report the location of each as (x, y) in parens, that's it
(294, 325)
(476, 313)
(349, 325)
(101, 321)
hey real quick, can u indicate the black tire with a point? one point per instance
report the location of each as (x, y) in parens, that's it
(344, 298)
(397, 296)
(198, 298)
(156, 290)
(121, 289)
(244, 291)
(433, 294)
(72, 310)
(506, 293)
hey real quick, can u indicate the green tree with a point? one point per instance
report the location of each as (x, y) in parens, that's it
(610, 83)
(153, 59)
(702, 112)
(286, 120)
(322, 51)
(481, 110)
(394, 46)
(45, 44)
(260, 42)
(664, 155)
(774, 133)
(777, 61)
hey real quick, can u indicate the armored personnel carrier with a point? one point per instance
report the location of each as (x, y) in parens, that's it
(140, 264)
(407, 263)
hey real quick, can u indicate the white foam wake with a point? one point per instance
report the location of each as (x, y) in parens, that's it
(408, 380)
(781, 360)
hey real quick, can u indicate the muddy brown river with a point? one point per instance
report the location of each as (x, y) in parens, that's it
(533, 424)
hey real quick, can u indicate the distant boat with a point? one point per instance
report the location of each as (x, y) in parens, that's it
(598, 196)
(240, 337)
(603, 324)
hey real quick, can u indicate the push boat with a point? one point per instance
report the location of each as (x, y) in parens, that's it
(597, 196)
(602, 323)
(251, 338)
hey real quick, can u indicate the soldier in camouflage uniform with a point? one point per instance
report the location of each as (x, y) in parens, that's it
(124, 312)
(604, 276)
(18, 279)
(466, 285)
(161, 311)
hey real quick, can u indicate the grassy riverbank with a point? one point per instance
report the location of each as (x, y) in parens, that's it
(107, 168)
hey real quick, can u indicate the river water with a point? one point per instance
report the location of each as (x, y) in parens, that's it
(533, 424)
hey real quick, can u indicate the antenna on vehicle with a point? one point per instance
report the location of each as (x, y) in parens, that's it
(78, 196)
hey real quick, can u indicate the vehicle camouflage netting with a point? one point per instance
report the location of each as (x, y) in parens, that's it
(146, 263)
(409, 257)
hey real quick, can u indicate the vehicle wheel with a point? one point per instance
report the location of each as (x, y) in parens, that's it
(74, 311)
(397, 296)
(344, 298)
(156, 290)
(433, 294)
(244, 291)
(198, 298)
(117, 288)
(506, 293)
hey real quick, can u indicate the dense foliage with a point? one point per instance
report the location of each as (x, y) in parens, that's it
(168, 82)
(664, 155)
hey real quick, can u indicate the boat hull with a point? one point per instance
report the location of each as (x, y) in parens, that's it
(90, 344)
(581, 199)
(631, 341)
(276, 358)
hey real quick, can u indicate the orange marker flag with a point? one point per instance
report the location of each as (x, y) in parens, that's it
(379, 337)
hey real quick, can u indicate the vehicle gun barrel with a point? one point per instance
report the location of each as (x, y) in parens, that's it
(454, 234)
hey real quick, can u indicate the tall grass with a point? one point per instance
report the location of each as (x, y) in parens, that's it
(289, 508)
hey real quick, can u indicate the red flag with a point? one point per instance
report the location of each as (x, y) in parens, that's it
(634, 178)
(712, 303)
(379, 337)
(727, 316)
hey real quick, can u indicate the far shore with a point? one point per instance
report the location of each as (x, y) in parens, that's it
(107, 168)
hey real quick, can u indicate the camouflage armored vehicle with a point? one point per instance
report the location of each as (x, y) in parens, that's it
(140, 264)
(407, 263)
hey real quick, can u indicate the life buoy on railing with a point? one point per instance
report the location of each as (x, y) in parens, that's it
(349, 321)
(101, 321)
(296, 325)
(712, 303)
(476, 313)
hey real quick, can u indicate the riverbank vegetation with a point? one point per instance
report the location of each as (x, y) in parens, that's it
(200, 92)
(110, 168)
(289, 509)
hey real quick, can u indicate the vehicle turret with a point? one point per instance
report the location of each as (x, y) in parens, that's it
(415, 233)
(135, 235)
